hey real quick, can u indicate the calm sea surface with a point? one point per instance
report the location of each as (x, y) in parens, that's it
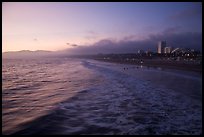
(33, 87)
(76, 96)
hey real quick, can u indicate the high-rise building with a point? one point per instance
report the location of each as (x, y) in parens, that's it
(161, 46)
(167, 50)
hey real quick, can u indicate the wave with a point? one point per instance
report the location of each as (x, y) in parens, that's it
(122, 102)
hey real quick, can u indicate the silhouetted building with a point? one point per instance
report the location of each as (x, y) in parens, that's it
(167, 50)
(161, 46)
(140, 51)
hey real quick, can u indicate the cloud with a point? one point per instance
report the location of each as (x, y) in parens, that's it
(74, 45)
(172, 30)
(180, 39)
(187, 14)
(172, 36)
(91, 32)
(91, 35)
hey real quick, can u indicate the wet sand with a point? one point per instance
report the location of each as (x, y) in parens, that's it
(178, 65)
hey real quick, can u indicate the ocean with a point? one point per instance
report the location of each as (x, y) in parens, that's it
(84, 96)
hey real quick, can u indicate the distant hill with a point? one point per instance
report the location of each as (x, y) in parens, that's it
(26, 54)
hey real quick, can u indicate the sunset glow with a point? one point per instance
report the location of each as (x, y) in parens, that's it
(49, 26)
(102, 68)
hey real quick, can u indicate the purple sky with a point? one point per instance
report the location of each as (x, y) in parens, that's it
(57, 26)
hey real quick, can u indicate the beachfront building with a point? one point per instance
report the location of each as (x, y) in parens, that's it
(140, 51)
(167, 50)
(161, 46)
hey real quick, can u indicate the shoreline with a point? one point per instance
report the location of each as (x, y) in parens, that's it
(160, 64)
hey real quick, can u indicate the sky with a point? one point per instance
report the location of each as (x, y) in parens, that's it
(67, 25)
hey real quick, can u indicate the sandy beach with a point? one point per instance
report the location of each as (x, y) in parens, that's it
(165, 64)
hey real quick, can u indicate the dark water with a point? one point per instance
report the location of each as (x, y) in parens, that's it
(31, 88)
(73, 96)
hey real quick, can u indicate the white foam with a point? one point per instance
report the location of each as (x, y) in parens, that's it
(156, 108)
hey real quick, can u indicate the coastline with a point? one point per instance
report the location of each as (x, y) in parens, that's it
(123, 104)
(160, 64)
